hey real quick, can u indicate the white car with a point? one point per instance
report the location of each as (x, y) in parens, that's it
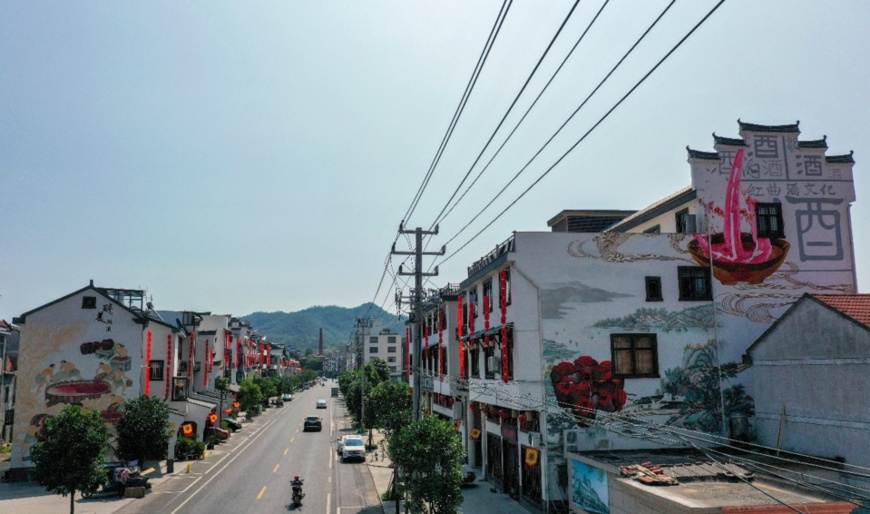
(321, 404)
(352, 447)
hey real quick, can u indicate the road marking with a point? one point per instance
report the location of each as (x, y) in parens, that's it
(293, 438)
(328, 497)
(276, 468)
(253, 437)
(286, 450)
(263, 490)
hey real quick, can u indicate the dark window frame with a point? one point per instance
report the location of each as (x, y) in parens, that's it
(769, 224)
(634, 339)
(157, 372)
(653, 289)
(688, 279)
(474, 360)
(657, 229)
(89, 302)
(682, 221)
(487, 292)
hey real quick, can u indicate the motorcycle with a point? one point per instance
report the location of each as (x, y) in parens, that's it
(297, 494)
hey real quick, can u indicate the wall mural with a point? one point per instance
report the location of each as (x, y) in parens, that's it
(647, 318)
(734, 249)
(586, 385)
(590, 488)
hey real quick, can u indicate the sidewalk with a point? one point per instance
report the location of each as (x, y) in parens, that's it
(477, 498)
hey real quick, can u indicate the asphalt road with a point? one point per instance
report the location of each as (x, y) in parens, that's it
(251, 472)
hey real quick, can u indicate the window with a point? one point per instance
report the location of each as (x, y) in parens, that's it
(474, 357)
(487, 293)
(507, 284)
(373, 339)
(155, 369)
(391, 359)
(391, 349)
(373, 349)
(89, 302)
(489, 372)
(768, 217)
(653, 230)
(179, 389)
(682, 221)
(654, 289)
(391, 339)
(634, 355)
(694, 283)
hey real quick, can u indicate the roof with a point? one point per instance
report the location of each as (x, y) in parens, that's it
(818, 143)
(727, 141)
(840, 159)
(667, 203)
(855, 306)
(754, 127)
(698, 154)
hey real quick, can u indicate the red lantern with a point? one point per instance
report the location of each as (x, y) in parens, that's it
(504, 413)
(213, 418)
(187, 429)
(473, 406)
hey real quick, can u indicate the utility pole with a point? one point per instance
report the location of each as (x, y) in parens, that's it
(418, 274)
(362, 324)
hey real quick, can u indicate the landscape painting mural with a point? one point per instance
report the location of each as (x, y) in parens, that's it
(589, 488)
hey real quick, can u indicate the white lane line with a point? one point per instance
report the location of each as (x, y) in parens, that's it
(328, 497)
(256, 435)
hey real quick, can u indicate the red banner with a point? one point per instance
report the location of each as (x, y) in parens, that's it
(168, 367)
(148, 366)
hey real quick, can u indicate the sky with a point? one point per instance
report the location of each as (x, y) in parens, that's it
(235, 157)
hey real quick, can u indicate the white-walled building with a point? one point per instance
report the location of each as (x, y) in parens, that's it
(566, 333)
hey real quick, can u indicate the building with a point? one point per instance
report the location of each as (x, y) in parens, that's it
(9, 339)
(384, 344)
(810, 367)
(574, 340)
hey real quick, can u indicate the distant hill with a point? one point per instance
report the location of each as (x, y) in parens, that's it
(301, 329)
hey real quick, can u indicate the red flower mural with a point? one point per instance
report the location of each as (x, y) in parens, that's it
(586, 385)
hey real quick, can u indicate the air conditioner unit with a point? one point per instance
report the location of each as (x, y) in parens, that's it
(534, 439)
(197, 366)
(492, 363)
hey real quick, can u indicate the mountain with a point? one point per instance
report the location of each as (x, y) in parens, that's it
(301, 329)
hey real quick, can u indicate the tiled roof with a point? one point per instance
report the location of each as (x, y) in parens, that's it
(754, 127)
(684, 194)
(818, 143)
(698, 154)
(727, 141)
(840, 159)
(856, 306)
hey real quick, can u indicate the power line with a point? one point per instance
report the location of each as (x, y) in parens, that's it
(493, 34)
(510, 108)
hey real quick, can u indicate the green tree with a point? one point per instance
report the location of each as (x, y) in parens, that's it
(250, 395)
(430, 455)
(69, 454)
(143, 431)
(390, 403)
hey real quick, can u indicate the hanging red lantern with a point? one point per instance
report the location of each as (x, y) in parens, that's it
(504, 413)
(187, 429)
(473, 406)
(213, 418)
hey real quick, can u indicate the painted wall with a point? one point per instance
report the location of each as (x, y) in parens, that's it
(73, 355)
(816, 366)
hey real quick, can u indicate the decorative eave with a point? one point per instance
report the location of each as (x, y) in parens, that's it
(728, 141)
(818, 143)
(754, 127)
(698, 154)
(840, 159)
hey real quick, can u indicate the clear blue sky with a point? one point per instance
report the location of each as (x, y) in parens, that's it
(258, 156)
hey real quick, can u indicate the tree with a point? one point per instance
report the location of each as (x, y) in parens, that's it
(391, 403)
(430, 455)
(69, 454)
(250, 395)
(143, 431)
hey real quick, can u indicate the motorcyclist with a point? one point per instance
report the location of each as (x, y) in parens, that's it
(296, 484)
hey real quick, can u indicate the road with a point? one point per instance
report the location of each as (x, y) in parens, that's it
(251, 472)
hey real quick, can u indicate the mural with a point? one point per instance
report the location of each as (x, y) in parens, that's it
(555, 300)
(647, 318)
(737, 253)
(589, 488)
(694, 390)
(586, 385)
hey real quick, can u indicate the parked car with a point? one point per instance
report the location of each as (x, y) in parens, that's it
(352, 447)
(312, 423)
(321, 404)
(288, 397)
(279, 401)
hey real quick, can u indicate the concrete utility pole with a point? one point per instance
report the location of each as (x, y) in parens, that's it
(418, 274)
